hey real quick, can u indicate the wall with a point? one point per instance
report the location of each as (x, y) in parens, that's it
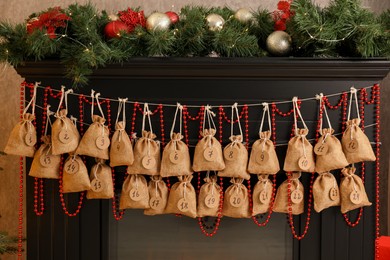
(18, 10)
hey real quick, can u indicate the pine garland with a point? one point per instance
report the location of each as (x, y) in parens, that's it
(343, 29)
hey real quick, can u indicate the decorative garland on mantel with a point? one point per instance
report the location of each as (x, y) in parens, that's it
(84, 38)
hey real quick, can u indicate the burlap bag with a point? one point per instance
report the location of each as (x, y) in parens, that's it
(236, 201)
(281, 200)
(300, 156)
(158, 196)
(45, 164)
(176, 158)
(208, 153)
(65, 136)
(209, 198)
(146, 155)
(23, 138)
(75, 175)
(95, 141)
(353, 193)
(236, 159)
(182, 197)
(356, 146)
(135, 194)
(329, 153)
(263, 158)
(326, 192)
(101, 181)
(262, 195)
(121, 150)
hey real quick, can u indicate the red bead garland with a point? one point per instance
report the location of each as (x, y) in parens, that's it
(21, 187)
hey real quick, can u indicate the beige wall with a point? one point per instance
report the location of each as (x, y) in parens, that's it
(17, 11)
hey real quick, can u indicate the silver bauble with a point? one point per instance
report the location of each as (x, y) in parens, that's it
(158, 21)
(215, 22)
(243, 15)
(279, 43)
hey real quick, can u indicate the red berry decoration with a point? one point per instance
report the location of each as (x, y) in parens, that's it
(174, 17)
(113, 29)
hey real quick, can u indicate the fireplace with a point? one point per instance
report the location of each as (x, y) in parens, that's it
(95, 234)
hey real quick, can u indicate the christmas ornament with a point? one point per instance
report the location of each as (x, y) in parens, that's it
(113, 17)
(158, 21)
(113, 29)
(215, 22)
(279, 43)
(132, 18)
(174, 17)
(282, 15)
(243, 15)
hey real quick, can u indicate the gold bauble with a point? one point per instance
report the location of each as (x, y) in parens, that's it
(243, 15)
(215, 22)
(158, 21)
(279, 43)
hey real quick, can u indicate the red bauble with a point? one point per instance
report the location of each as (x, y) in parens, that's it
(174, 17)
(113, 29)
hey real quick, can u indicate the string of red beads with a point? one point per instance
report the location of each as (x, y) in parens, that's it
(21, 188)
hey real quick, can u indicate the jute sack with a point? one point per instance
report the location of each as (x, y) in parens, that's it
(209, 198)
(353, 193)
(356, 146)
(208, 153)
(23, 138)
(182, 197)
(236, 159)
(45, 164)
(176, 158)
(297, 196)
(236, 201)
(158, 196)
(121, 150)
(262, 195)
(101, 181)
(75, 176)
(326, 192)
(146, 155)
(263, 158)
(135, 194)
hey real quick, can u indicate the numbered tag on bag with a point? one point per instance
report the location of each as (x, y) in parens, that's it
(148, 162)
(321, 149)
(236, 200)
(352, 146)
(263, 197)
(64, 136)
(262, 157)
(231, 153)
(296, 196)
(96, 185)
(135, 194)
(156, 203)
(175, 157)
(355, 197)
(304, 164)
(182, 205)
(46, 160)
(71, 166)
(333, 194)
(30, 139)
(211, 201)
(118, 146)
(210, 154)
(102, 142)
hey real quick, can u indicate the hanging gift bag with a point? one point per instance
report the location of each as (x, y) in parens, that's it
(296, 196)
(158, 196)
(24, 135)
(75, 175)
(263, 158)
(95, 141)
(208, 151)
(356, 146)
(101, 181)
(300, 156)
(121, 150)
(182, 197)
(262, 195)
(147, 158)
(176, 156)
(235, 153)
(328, 150)
(64, 134)
(209, 197)
(353, 193)
(236, 200)
(134, 193)
(325, 192)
